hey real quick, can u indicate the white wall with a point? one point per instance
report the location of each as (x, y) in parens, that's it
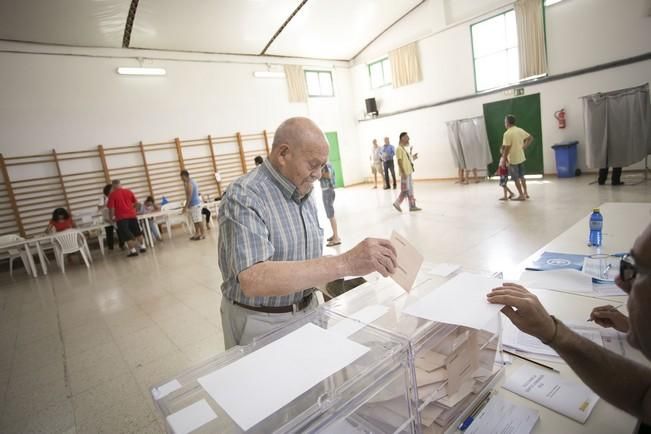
(74, 102)
(580, 33)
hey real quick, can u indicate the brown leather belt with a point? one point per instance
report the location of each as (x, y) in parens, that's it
(296, 307)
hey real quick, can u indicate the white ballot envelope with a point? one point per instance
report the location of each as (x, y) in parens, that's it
(409, 262)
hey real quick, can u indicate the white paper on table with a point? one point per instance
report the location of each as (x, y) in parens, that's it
(191, 417)
(164, 390)
(358, 320)
(549, 389)
(409, 262)
(442, 269)
(254, 387)
(500, 416)
(518, 340)
(566, 279)
(461, 301)
(606, 288)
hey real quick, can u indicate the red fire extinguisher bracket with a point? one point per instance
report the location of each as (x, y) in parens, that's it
(560, 117)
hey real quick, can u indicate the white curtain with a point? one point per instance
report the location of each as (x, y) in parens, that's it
(469, 143)
(405, 65)
(531, 37)
(455, 144)
(296, 87)
(617, 127)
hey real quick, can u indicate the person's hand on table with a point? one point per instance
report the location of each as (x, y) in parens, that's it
(371, 255)
(524, 310)
(609, 317)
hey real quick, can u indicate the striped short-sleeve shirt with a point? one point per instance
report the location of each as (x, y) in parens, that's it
(261, 218)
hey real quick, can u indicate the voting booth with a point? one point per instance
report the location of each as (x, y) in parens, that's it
(452, 367)
(323, 373)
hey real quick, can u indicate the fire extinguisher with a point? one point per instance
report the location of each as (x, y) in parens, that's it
(560, 117)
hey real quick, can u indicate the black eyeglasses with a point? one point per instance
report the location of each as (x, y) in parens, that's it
(627, 268)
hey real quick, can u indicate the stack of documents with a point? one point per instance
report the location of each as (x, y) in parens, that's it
(549, 389)
(501, 416)
(517, 340)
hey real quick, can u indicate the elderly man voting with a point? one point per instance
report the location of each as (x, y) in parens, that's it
(270, 241)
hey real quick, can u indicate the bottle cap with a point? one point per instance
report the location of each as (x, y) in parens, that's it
(595, 209)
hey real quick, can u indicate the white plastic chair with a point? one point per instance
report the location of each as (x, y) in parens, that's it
(14, 253)
(175, 217)
(70, 241)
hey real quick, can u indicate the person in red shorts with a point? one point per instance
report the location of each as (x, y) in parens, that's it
(122, 205)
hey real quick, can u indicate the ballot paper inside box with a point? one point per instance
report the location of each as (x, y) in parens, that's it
(452, 366)
(238, 393)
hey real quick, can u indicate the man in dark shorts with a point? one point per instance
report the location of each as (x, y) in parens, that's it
(122, 207)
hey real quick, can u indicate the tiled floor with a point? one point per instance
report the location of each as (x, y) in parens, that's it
(78, 352)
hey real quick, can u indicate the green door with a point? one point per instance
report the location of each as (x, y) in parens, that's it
(334, 158)
(526, 110)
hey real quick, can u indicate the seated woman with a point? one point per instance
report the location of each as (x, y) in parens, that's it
(147, 207)
(61, 220)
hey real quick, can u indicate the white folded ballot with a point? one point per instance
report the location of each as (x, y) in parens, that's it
(569, 398)
(501, 416)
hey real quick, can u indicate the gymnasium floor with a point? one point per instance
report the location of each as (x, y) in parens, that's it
(79, 351)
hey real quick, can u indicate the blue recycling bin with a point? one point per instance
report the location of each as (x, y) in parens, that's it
(565, 154)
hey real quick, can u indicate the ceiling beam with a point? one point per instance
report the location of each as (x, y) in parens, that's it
(282, 27)
(126, 39)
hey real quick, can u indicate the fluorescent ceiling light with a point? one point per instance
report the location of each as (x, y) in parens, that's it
(552, 2)
(269, 74)
(124, 70)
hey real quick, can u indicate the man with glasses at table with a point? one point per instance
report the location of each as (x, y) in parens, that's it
(620, 381)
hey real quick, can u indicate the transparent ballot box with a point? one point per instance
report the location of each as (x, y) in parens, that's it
(453, 368)
(321, 373)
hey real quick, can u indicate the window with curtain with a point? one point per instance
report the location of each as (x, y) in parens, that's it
(380, 73)
(319, 83)
(495, 51)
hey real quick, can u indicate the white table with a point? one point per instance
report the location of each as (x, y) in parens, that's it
(149, 238)
(623, 223)
(605, 418)
(24, 244)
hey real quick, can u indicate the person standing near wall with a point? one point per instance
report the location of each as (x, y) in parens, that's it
(376, 162)
(193, 204)
(406, 168)
(388, 152)
(616, 178)
(514, 143)
(327, 182)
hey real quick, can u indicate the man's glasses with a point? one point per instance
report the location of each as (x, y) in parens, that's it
(627, 268)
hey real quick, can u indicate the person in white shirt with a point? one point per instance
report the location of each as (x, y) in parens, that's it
(376, 163)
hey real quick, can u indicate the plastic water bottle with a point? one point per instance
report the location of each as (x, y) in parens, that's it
(596, 224)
